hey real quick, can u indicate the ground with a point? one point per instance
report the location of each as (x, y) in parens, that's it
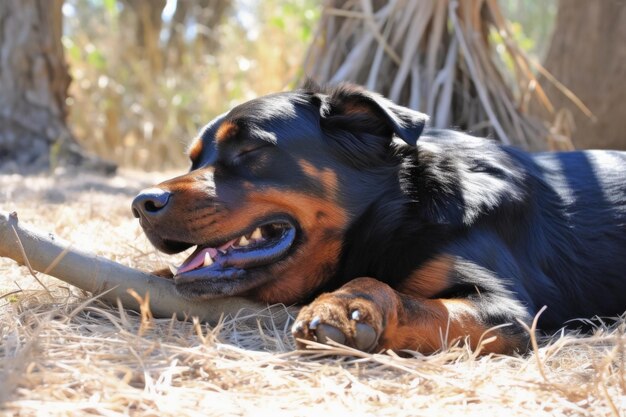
(63, 353)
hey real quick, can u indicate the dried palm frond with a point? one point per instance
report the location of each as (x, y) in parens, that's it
(455, 60)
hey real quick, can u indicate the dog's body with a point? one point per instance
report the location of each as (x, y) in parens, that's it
(411, 244)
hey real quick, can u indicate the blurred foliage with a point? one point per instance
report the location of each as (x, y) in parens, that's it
(148, 74)
(140, 105)
(532, 22)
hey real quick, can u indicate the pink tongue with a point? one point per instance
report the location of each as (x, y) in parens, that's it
(197, 260)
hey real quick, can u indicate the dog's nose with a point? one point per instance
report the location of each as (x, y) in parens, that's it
(150, 202)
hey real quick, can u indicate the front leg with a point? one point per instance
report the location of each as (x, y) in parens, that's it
(371, 316)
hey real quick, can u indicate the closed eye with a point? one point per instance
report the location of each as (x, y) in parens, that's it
(247, 153)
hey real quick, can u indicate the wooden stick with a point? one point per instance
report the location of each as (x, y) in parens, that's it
(113, 281)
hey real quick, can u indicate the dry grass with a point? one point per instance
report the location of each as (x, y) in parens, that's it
(457, 61)
(64, 354)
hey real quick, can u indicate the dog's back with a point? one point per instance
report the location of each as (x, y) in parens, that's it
(561, 217)
(577, 240)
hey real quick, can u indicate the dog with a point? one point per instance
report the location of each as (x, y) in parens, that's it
(390, 234)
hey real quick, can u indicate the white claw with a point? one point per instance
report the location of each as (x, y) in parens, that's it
(207, 259)
(173, 269)
(356, 315)
(314, 323)
(243, 241)
(256, 235)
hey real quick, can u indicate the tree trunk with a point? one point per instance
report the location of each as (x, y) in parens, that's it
(34, 80)
(588, 55)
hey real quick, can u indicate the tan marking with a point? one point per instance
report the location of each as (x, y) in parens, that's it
(325, 176)
(225, 131)
(430, 278)
(319, 254)
(357, 108)
(425, 325)
(188, 186)
(195, 149)
(440, 323)
(303, 207)
(213, 218)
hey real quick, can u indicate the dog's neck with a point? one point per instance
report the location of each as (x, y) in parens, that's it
(432, 198)
(400, 228)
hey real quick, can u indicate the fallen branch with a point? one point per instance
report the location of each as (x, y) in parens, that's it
(112, 281)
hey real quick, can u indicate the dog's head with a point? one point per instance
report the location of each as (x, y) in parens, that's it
(274, 184)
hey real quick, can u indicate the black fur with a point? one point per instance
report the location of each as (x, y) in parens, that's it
(546, 229)
(526, 230)
(536, 229)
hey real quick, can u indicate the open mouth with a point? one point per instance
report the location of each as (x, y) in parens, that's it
(262, 245)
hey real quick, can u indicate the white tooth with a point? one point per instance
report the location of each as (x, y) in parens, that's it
(256, 235)
(243, 241)
(173, 269)
(207, 259)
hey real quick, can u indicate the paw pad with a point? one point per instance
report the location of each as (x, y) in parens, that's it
(349, 331)
(326, 332)
(366, 337)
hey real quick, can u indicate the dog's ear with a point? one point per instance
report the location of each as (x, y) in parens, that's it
(354, 108)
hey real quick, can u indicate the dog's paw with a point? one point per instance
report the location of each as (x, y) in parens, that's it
(344, 318)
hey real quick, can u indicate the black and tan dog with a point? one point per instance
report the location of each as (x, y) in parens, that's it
(328, 199)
